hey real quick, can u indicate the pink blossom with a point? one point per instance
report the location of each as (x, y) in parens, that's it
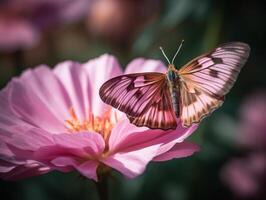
(22, 21)
(55, 120)
(252, 126)
(246, 176)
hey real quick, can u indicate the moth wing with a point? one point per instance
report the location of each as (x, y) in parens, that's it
(206, 79)
(196, 105)
(144, 97)
(159, 114)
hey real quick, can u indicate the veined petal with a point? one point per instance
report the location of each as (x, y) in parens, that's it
(32, 98)
(121, 131)
(13, 172)
(172, 140)
(179, 150)
(82, 146)
(132, 163)
(7, 117)
(126, 135)
(77, 85)
(87, 168)
(100, 70)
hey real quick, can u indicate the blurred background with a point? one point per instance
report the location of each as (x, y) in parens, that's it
(232, 162)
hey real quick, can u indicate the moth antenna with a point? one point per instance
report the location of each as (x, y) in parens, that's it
(177, 51)
(161, 48)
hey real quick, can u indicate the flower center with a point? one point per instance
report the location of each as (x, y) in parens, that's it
(102, 125)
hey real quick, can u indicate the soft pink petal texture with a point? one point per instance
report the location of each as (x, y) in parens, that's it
(30, 139)
(126, 135)
(132, 163)
(81, 146)
(82, 83)
(77, 85)
(17, 172)
(100, 70)
(145, 65)
(87, 168)
(7, 118)
(132, 148)
(185, 133)
(33, 99)
(121, 131)
(15, 168)
(179, 150)
(65, 152)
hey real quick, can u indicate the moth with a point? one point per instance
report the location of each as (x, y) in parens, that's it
(160, 100)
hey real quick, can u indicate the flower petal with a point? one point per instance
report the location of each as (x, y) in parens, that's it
(145, 65)
(77, 85)
(81, 146)
(87, 169)
(14, 172)
(7, 117)
(30, 139)
(121, 131)
(179, 150)
(185, 133)
(91, 142)
(132, 163)
(100, 70)
(82, 83)
(126, 135)
(33, 99)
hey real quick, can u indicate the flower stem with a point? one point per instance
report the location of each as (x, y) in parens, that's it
(102, 187)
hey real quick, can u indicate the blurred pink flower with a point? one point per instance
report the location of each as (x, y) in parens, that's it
(128, 18)
(22, 21)
(246, 176)
(252, 126)
(17, 34)
(55, 120)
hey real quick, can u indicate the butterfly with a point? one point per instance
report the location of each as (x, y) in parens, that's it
(158, 100)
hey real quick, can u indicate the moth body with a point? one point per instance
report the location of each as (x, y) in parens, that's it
(173, 85)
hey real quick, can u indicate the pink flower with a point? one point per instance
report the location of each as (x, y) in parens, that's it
(22, 21)
(128, 19)
(252, 126)
(246, 176)
(55, 120)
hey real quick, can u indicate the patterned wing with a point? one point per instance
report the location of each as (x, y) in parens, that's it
(144, 97)
(206, 79)
(159, 114)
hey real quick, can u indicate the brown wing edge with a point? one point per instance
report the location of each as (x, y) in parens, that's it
(202, 117)
(149, 125)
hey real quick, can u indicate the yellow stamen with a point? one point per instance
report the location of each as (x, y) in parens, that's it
(101, 125)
